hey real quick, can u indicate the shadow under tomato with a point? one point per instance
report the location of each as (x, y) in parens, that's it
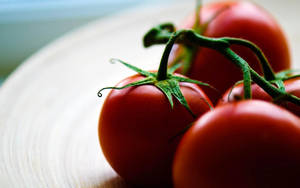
(115, 182)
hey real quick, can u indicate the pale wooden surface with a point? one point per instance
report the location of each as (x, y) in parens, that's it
(49, 107)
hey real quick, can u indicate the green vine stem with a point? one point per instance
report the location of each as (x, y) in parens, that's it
(162, 70)
(268, 72)
(265, 65)
(223, 46)
(243, 65)
(218, 44)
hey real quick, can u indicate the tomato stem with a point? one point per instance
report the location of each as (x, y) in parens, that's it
(243, 65)
(163, 66)
(265, 65)
(190, 37)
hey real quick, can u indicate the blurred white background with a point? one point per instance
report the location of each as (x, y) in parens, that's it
(28, 25)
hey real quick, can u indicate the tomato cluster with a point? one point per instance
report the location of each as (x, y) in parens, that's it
(159, 129)
(239, 19)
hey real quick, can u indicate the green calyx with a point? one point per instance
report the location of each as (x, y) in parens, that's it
(287, 75)
(164, 79)
(169, 86)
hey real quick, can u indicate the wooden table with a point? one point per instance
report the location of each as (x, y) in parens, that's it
(49, 105)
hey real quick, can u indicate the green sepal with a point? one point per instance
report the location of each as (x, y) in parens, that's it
(279, 84)
(179, 96)
(291, 77)
(183, 79)
(173, 68)
(148, 80)
(282, 76)
(286, 73)
(169, 86)
(134, 68)
(165, 88)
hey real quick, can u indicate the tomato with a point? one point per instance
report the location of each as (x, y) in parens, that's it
(238, 19)
(292, 86)
(138, 128)
(243, 144)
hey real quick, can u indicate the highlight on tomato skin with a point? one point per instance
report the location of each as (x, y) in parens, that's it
(138, 130)
(243, 144)
(292, 86)
(238, 19)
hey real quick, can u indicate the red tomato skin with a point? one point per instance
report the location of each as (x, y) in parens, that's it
(249, 144)
(292, 86)
(136, 126)
(244, 20)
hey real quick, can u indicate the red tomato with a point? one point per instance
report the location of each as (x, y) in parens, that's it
(240, 19)
(244, 144)
(291, 86)
(136, 128)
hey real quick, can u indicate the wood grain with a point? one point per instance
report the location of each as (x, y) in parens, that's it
(49, 105)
